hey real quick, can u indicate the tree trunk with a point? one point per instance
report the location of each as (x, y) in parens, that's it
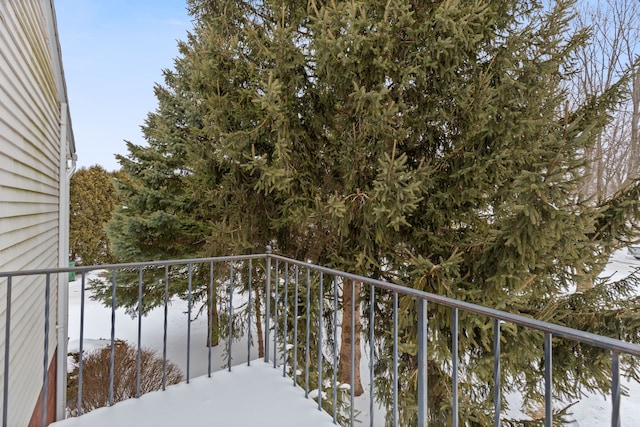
(344, 368)
(213, 334)
(635, 126)
(258, 318)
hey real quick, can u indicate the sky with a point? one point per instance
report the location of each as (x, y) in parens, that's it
(113, 52)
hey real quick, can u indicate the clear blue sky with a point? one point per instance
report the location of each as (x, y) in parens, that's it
(113, 52)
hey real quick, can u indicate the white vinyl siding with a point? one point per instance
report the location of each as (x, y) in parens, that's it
(30, 186)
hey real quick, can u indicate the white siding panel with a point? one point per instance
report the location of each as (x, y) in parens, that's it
(30, 49)
(29, 195)
(19, 142)
(21, 209)
(32, 194)
(39, 247)
(22, 223)
(26, 178)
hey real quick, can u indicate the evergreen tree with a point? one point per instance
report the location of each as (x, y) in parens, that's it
(424, 143)
(93, 198)
(158, 218)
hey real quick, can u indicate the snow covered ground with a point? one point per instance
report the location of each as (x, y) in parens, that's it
(591, 411)
(97, 331)
(594, 409)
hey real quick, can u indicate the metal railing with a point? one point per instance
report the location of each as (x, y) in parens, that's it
(299, 313)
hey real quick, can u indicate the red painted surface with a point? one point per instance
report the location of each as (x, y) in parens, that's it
(36, 417)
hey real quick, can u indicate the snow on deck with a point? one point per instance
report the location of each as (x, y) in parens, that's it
(247, 396)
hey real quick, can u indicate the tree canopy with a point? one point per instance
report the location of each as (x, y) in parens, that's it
(427, 143)
(93, 198)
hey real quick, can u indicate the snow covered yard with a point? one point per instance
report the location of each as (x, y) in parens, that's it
(594, 409)
(258, 391)
(97, 331)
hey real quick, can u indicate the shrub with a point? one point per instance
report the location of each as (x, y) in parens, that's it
(95, 376)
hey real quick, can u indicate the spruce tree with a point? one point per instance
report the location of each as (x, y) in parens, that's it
(158, 219)
(425, 143)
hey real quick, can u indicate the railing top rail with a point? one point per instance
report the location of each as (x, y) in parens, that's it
(556, 330)
(542, 326)
(88, 268)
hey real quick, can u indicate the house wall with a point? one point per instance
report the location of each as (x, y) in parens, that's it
(35, 145)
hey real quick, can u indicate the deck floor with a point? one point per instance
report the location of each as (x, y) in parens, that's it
(246, 396)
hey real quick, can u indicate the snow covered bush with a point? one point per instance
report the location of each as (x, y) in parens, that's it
(96, 379)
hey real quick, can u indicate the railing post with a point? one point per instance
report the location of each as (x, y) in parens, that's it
(267, 296)
(7, 340)
(307, 335)
(139, 354)
(395, 359)
(113, 335)
(615, 389)
(548, 364)
(81, 344)
(353, 351)
(285, 319)
(422, 363)
(335, 349)
(295, 328)
(164, 327)
(209, 319)
(496, 372)
(45, 379)
(454, 367)
(249, 338)
(372, 311)
(230, 338)
(320, 306)
(275, 315)
(189, 304)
